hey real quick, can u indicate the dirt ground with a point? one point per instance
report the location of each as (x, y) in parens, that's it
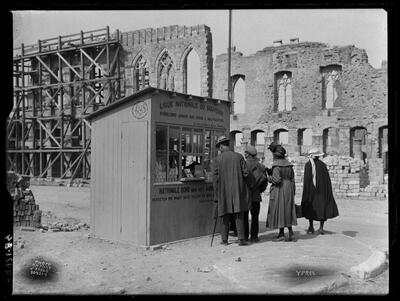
(85, 265)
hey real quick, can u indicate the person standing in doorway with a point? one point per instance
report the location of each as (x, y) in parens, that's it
(281, 211)
(230, 172)
(260, 179)
(317, 202)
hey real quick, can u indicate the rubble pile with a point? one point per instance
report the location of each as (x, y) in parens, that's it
(50, 181)
(64, 226)
(26, 212)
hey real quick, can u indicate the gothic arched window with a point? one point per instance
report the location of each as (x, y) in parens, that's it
(166, 73)
(331, 88)
(283, 97)
(239, 94)
(141, 74)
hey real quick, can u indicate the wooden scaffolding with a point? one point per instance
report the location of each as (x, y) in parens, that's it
(57, 82)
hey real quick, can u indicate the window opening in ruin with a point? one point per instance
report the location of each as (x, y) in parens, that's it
(239, 94)
(357, 140)
(238, 139)
(304, 139)
(166, 73)
(330, 141)
(281, 136)
(257, 137)
(383, 147)
(331, 87)
(192, 73)
(180, 149)
(331, 93)
(141, 74)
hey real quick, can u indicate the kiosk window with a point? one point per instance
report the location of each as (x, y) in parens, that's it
(207, 150)
(183, 152)
(186, 140)
(198, 141)
(173, 154)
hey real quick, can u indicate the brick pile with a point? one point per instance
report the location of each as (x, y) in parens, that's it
(26, 212)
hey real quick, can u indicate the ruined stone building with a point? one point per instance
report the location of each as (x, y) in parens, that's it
(300, 93)
(307, 94)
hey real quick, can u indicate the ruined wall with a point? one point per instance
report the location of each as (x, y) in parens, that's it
(361, 101)
(178, 41)
(349, 178)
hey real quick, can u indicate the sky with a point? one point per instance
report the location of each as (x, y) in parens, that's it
(252, 30)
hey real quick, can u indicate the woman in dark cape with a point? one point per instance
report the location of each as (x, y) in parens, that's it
(317, 201)
(281, 208)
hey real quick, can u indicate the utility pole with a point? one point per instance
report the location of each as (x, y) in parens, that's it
(229, 63)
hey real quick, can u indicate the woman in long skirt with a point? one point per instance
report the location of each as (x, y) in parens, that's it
(281, 210)
(317, 201)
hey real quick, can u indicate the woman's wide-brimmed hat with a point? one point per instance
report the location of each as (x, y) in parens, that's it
(279, 152)
(221, 139)
(272, 146)
(315, 152)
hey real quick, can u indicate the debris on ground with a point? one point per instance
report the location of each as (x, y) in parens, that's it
(118, 290)
(64, 226)
(205, 269)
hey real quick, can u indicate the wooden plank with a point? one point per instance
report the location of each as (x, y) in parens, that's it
(134, 166)
(116, 141)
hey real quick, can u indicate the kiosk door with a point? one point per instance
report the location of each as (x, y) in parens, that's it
(133, 181)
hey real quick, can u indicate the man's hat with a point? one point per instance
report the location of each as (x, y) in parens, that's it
(221, 139)
(315, 152)
(251, 150)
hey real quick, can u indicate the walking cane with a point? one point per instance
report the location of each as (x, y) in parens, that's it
(215, 224)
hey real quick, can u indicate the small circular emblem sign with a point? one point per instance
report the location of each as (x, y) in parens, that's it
(139, 110)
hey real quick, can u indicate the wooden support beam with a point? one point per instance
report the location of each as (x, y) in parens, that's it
(49, 164)
(48, 132)
(15, 109)
(97, 57)
(47, 68)
(52, 98)
(69, 169)
(80, 159)
(69, 66)
(94, 62)
(114, 60)
(87, 123)
(91, 100)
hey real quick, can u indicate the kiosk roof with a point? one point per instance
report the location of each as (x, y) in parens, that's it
(139, 93)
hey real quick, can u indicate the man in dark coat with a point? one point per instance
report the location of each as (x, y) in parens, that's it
(317, 201)
(230, 171)
(257, 170)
